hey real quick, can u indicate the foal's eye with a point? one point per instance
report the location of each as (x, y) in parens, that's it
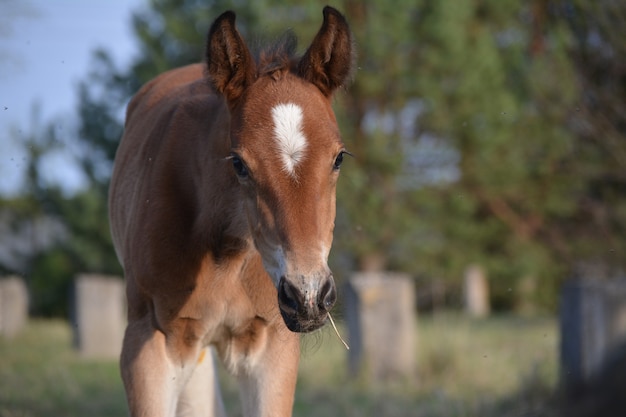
(240, 168)
(339, 160)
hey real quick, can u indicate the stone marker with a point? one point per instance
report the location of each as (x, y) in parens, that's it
(13, 306)
(99, 316)
(475, 292)
(380, 315)
(592, 325)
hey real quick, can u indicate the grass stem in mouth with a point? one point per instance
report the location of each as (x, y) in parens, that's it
(337, 332)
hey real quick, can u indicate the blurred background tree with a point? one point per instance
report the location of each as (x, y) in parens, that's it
(486, 132)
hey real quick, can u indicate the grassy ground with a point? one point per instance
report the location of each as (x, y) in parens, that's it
(502, 366)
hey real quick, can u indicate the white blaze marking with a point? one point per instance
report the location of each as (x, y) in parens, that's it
(289, 136)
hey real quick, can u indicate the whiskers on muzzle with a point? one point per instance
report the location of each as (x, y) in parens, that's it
(313, 341)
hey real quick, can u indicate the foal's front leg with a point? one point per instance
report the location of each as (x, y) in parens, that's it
(155, 371)
(268, 388)
(148, 374)
(265, 360)
(201, 396)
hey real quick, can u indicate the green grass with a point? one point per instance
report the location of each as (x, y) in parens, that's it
(503, 366)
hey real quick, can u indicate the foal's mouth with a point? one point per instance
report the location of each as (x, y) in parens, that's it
(299, 324)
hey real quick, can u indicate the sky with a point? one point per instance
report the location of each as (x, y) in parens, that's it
(45, 50)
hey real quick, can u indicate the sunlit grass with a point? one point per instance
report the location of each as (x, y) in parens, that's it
(465, 368)
(40, 375)
(468, 357)
(502, 366)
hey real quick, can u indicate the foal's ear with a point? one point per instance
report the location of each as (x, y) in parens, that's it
(230, 66)
(329, 60)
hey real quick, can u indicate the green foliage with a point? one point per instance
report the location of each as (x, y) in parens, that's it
(479, 95)
(497, 85)
(483, 93)
(49, 282)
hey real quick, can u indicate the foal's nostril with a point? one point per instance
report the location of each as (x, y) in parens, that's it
(327, 296)
(288, 296)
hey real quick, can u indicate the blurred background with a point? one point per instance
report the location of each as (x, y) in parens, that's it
(488, 135)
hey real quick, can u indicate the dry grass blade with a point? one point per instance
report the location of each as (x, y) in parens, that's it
(337, 332)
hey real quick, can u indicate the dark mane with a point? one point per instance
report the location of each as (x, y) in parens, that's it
(279, 56)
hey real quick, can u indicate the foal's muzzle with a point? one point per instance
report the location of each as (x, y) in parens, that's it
(305, 307)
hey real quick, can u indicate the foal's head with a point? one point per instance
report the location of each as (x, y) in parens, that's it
(286, 153)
